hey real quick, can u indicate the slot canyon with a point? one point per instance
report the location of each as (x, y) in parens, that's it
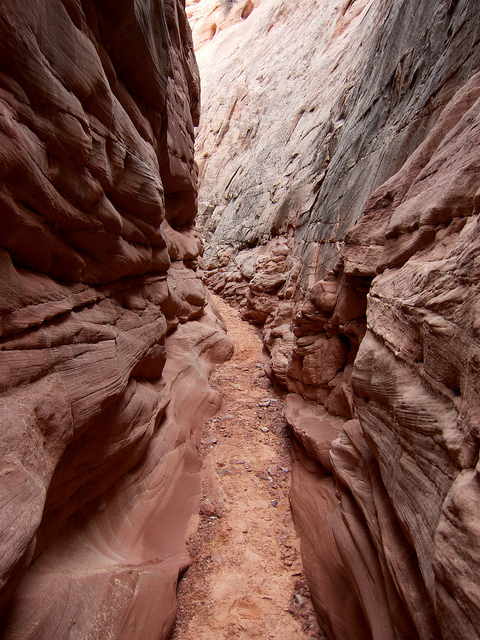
(239, 319)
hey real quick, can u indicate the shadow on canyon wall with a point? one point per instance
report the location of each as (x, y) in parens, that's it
(339, 176)
(107, 339)
(338, 167)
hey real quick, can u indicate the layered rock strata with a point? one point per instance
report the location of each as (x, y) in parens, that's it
(306, 111)
(371, 117)
(406, 468)
(106, 342)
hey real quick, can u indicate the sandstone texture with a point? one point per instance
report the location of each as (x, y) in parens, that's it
(209, 17)
(416, 385)
(339, 195)
(106, 337)
(306, 109)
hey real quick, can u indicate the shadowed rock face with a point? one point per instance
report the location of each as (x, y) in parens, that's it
(307, 109)
(406, 529)
(369, 131)
(106, 344)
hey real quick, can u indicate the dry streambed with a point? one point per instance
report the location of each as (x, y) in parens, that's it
(246, 579)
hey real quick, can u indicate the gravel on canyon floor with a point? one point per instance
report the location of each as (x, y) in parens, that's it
(246, 578)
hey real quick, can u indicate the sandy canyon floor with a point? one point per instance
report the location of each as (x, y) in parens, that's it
(246, 578)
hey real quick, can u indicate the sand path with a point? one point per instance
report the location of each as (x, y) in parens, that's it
(246, 579)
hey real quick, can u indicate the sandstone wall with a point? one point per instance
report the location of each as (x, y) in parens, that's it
(307, 108)
(329, 116)
(106, 342)
(406, 468)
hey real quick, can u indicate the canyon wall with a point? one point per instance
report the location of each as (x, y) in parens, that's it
(106, 336)
(339, 178)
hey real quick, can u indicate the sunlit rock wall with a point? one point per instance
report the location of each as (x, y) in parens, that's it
(324, 116)
(106, 344)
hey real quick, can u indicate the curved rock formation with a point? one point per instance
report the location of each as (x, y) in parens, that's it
(339, 196)
(106, 342)
(406, 467)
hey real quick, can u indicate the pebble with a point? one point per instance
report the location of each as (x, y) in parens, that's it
(218, 559)
(222, 472)
(210, 440)
(264, 429)
(274, 503)
(207, 508)
(264, 403)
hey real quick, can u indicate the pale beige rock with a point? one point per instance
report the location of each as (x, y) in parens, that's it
(209, 17)
(297, 132)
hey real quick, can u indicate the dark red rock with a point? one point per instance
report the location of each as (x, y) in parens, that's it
(104, 328)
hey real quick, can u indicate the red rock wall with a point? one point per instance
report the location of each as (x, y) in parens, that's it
(406, 469)
(105, 344)
(294, 143)
(339, 198)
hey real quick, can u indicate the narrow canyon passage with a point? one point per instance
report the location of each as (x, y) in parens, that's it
(317, 165)
(246, 579)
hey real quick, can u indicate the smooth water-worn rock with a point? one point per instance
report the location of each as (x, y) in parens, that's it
(106, 345)
(339, 182)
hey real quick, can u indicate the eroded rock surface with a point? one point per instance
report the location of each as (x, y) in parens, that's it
(405, 467)
(106, 345)
(296, 133)
(344, 219)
